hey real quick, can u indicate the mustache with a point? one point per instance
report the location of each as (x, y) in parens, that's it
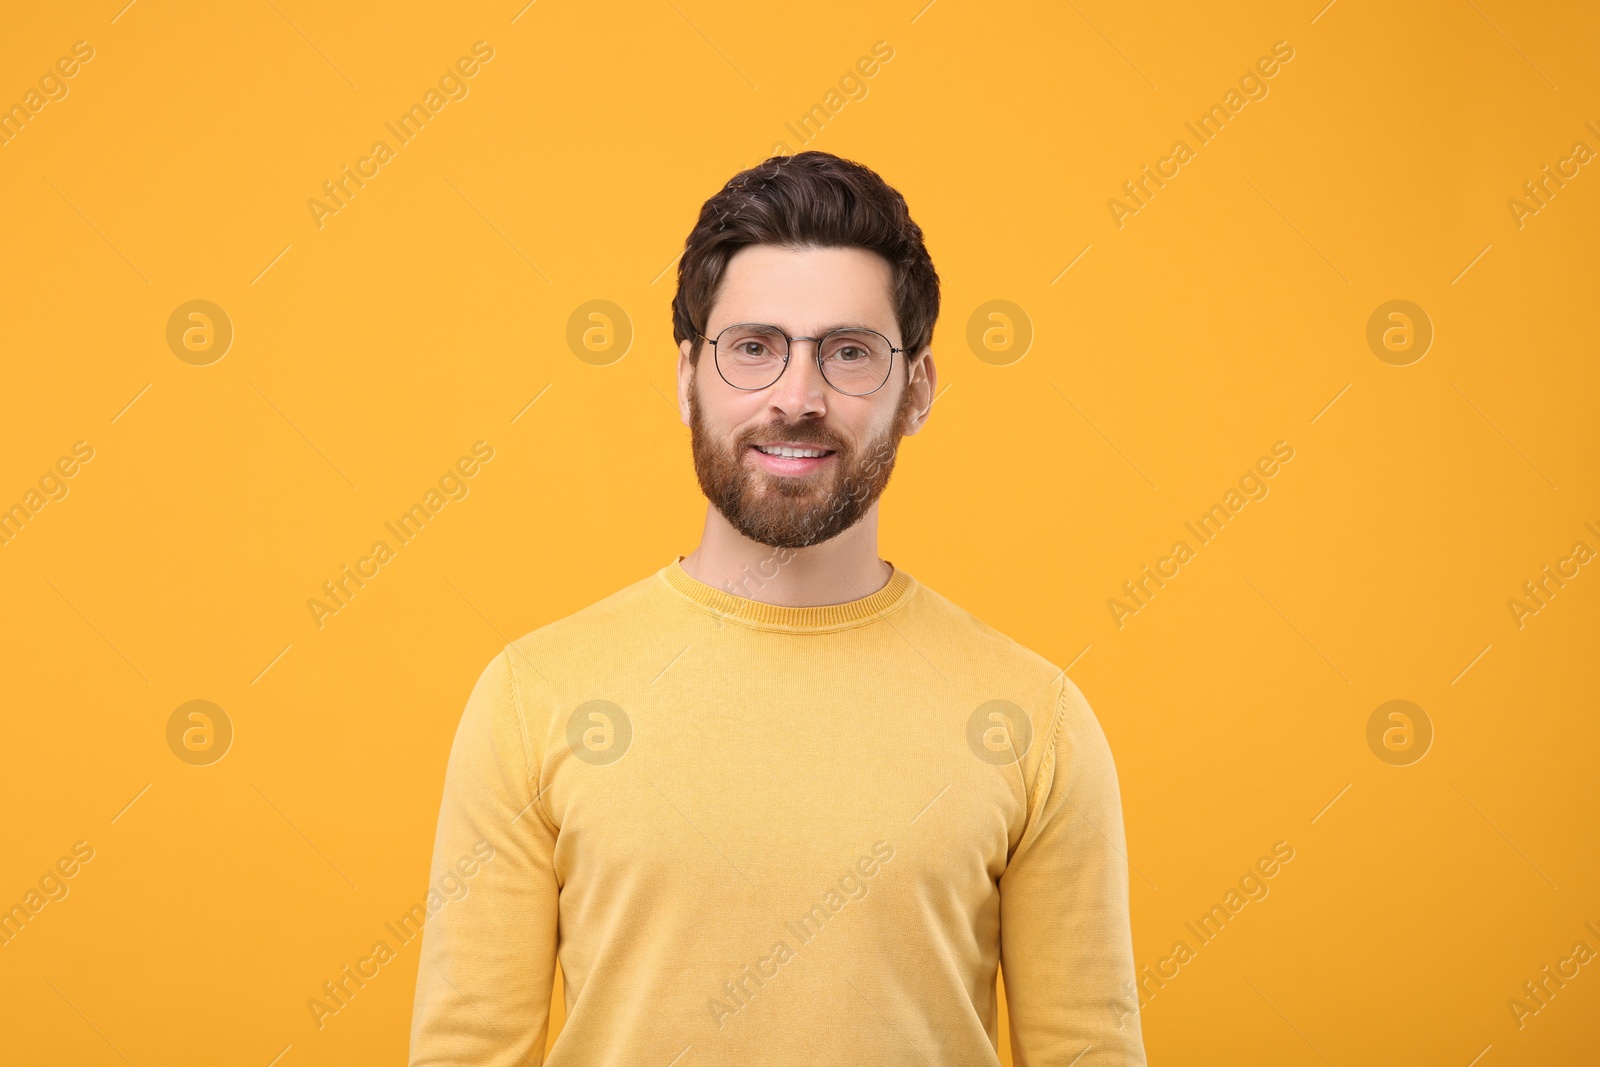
(813, 437)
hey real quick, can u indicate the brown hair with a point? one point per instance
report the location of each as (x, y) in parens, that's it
(813, 199)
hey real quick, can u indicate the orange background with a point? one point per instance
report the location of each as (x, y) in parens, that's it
(1229, 313)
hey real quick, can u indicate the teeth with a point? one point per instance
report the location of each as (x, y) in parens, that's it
(792, 452)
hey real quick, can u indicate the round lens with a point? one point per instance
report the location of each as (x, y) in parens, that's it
(856, 361)
(750, 356)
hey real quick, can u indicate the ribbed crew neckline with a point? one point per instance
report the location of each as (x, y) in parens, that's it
(819, 618)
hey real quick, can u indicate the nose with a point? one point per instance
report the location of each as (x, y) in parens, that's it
(800, 386)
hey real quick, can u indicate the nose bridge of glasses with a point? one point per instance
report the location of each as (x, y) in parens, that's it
(807, 367)
(816, 346)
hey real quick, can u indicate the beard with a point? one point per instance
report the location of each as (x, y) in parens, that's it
(786, 510)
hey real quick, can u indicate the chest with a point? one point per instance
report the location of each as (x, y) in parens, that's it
(704, 787)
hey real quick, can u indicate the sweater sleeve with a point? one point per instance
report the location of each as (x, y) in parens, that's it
(489, 941)
(1066, 948)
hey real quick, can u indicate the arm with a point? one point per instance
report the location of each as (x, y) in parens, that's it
(1066, 950)
(488, 952)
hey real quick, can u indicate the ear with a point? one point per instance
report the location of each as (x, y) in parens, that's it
(923, 386)
(685, 380)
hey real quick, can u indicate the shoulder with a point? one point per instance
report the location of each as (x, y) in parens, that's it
(1065, 731)
(530, 678)
(599, 616)
(992, 658)
(586, 637)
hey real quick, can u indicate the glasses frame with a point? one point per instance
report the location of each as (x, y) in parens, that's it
(789, 351)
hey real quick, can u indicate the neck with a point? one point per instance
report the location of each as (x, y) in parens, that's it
(841, 569)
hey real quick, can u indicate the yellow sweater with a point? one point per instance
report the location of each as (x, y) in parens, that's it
(766, 835)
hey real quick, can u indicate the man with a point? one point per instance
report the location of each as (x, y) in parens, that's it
(779, 803)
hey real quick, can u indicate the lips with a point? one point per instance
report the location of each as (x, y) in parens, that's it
(758, 446)
(791, 465)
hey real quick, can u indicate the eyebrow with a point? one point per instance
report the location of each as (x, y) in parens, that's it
(825, 330)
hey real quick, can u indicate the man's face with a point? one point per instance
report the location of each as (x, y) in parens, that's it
(789, 503)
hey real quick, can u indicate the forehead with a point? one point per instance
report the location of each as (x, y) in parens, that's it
(805, 289)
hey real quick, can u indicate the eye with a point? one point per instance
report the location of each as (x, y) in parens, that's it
(753, 349)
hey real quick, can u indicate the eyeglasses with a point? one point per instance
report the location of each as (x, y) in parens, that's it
(854, 360)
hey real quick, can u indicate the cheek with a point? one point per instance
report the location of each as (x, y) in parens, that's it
(720, 425)
(887, 430)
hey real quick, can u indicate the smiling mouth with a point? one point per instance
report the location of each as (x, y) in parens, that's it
(793, 462)
(787, 452)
